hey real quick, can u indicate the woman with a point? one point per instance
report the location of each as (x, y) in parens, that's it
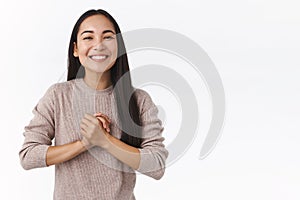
(96, 158)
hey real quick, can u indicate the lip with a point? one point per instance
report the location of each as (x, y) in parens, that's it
(98, 57)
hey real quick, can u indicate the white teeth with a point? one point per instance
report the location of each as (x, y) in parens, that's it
(98, 57)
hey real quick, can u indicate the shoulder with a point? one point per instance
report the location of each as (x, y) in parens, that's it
(62, 87)
(57, 91)
(144, 100)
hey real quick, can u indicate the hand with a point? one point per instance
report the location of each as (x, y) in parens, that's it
(105, 121)
(94, 130)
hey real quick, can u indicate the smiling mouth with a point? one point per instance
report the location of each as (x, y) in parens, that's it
(98, 58)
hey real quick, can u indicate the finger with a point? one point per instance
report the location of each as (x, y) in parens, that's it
(83, 126)
(104, 116)
(90, 118)
(83, 133)
(97, 114)
(88, 125)
(105, 124)
(101, 124)
(85, 122)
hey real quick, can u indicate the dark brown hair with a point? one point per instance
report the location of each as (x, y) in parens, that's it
(124, 90)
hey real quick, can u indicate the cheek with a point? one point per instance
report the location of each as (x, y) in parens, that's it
(82, 54)
(82, 49)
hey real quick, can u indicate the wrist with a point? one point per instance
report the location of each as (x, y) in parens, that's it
(85, 145)
(107, 142)
(83, 148)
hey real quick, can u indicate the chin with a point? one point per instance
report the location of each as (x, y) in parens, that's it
(100, 71)
(98, 68)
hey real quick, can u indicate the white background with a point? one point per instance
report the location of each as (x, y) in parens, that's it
(255, 46)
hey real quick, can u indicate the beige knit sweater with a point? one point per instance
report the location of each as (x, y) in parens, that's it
(94, 174)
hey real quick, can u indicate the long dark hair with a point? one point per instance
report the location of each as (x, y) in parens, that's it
(124, 90)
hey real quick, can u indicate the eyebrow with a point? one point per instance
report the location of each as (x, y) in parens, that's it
(103, 32)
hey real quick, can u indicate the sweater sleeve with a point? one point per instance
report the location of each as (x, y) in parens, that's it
(39, 133)
(153, 152)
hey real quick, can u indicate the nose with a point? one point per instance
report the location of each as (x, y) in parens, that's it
(99, 45)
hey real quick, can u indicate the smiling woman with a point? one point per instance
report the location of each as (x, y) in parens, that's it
(97, 61)
(96, 45)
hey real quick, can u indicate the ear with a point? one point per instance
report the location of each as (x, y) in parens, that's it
(75, 50)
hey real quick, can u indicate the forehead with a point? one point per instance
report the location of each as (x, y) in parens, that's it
(96, 22)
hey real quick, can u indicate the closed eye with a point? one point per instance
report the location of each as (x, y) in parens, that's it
(108, 37)
(87, 38)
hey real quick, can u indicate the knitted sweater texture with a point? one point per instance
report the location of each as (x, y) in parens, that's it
(93, 174)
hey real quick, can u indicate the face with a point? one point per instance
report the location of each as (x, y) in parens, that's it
(96, 44)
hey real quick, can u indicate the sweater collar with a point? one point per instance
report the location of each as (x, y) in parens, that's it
(82, 85)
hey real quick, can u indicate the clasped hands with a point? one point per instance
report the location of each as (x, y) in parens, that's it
(95, 130)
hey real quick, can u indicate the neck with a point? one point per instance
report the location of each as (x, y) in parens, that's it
(97, 81)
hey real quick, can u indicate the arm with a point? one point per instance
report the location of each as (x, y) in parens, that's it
(153, 152)
(150, 158)
(36, 150)
(62, 153)
(96, 135)
(123, 152)
(39, 133)
(58, 154)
